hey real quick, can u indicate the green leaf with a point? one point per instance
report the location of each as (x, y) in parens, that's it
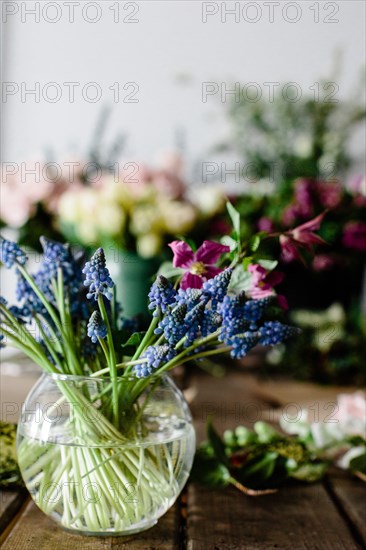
(168, 270)
(269, 265)
(265, 432)
(259, 469)
(134, 340)
(359, 463)
(256, 240)
(235, 217)
(216, 442)
(247, 261)
(209, 471)
(240, 280)
(310, 472)
(230, 242)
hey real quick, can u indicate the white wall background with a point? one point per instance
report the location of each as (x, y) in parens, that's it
(169, 52)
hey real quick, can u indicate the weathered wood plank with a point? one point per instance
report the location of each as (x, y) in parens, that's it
(350, 492)
(10, 504)
(301, 518)
(34, 530)
(227, 400)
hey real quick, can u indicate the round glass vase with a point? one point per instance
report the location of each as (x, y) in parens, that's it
(104, 458)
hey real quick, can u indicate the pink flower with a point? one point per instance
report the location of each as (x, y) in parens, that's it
(322, 262)
(266, 224)
(289, 215)
(354, 236)
(304, 191)
(351, 412)
(262, 284)
(199, 266)
(330, 193)
(301, 236)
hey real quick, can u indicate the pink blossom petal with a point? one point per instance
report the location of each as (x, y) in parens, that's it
(307, 238)
(257, 293)
(190, 281)
(274, 278)
(211, 271)
(311, 225)
(289, 251)
(209, 252)
(282, 302)
(183, 254)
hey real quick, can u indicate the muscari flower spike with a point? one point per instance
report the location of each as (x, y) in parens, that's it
(233, 319)
(242, 343)
(96, 327)
(98, 278)
(11, 253)
(162, 294)
(173, 325)
(274, 332)
(254, 310)
(156, 356)
(216, 288)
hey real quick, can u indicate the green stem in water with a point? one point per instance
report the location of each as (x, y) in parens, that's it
(112, 357)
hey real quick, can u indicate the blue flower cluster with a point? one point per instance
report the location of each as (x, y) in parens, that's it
(173, 324)
(156, 356)
(242, 343)
(10, 253)
(191, 297)
(96, 328)
(56, 256)
(97, 277)
(216, 288)
(254, 310)
(241, 329)
(162, 294)
(274, 332)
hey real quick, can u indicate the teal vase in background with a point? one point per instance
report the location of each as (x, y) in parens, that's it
(133, 276)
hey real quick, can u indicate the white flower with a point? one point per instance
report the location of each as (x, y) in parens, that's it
(179, 217)
(149, 245)
(209, 199)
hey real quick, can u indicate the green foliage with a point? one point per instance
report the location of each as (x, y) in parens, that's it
(257, 459)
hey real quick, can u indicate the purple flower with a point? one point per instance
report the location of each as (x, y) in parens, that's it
(354, 236)
(301, 236)
(266, 224)
(199, 266)
(262, 283)
(98, 278)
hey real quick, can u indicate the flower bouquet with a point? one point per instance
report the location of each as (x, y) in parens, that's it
(105, 442)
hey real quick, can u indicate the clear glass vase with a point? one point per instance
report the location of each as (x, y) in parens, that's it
(99, 468)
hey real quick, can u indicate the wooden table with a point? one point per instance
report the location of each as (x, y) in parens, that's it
(328, 515)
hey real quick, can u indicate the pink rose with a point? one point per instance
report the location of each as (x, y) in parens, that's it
(351, 412)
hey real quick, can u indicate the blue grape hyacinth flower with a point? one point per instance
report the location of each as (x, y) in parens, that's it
(97, 277)
(156, 356)
(11, 253)
(274, 332)
(96, 327)
(162, 294)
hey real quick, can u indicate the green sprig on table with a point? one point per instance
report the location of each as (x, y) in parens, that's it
(261, 460)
